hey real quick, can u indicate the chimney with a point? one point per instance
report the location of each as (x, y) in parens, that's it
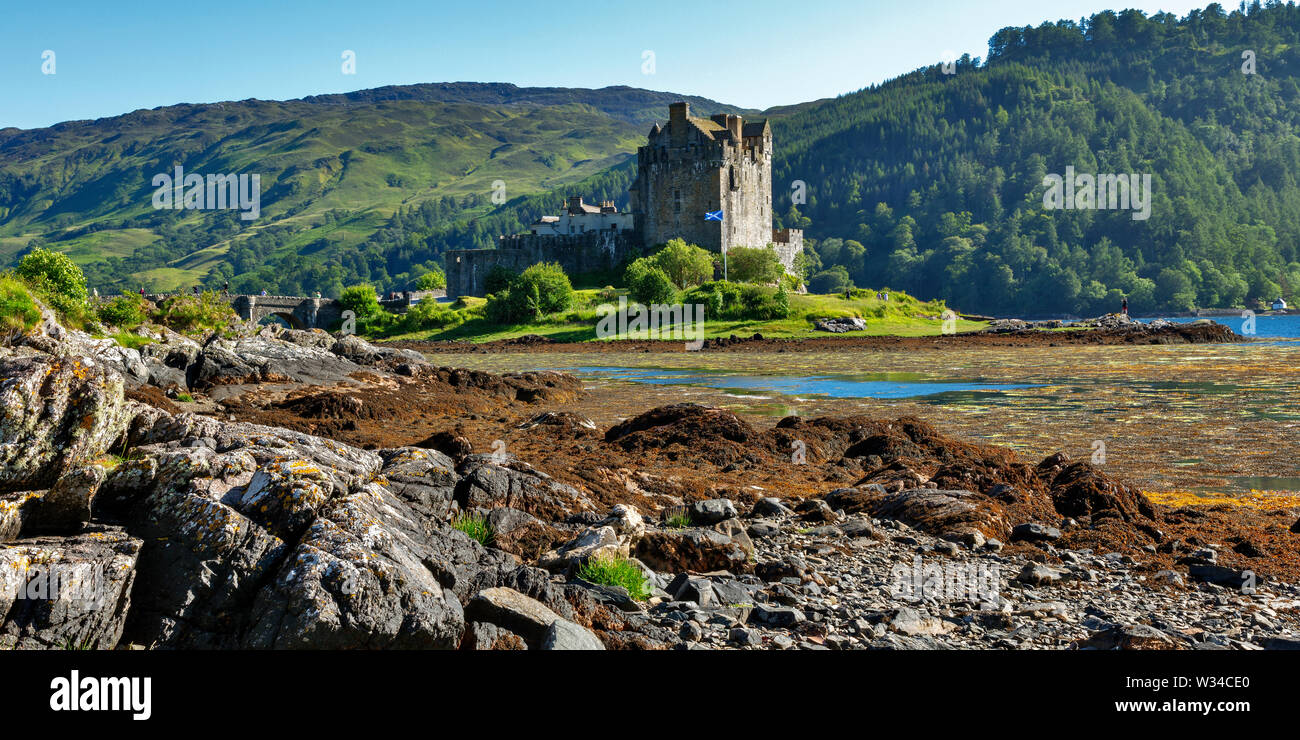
(575, 204)
(735, 125)
(677, 112)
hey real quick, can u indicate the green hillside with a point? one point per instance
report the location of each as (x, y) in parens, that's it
(933, 183)
(930, 183)
(334, 169)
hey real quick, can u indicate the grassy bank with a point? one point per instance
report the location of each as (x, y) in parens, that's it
(901, 315)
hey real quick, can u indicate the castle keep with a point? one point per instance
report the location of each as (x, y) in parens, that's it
(705, 180)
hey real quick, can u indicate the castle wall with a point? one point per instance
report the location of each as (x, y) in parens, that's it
(579, 253)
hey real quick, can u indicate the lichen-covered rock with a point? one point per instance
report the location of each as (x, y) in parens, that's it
(66, 506)
(66, 592)
(490, 482)
(56, 414)
(358, 579)
(424, 479)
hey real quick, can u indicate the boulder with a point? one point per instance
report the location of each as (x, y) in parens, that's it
(712, 511)
(488, 482)
(359, 579)
(696, 549)
(528, 618)
(565, 635)
(520, 533)
(56, 414)
(68, 592)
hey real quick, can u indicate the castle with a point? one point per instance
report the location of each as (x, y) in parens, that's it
(705, 180)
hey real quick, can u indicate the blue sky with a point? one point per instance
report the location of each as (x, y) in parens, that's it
(111, 59)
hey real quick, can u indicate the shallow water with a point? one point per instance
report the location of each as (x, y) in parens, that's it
(869, 385)
(1169, 418)
(1266, 327)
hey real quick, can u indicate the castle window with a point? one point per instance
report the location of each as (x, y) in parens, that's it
(677, 201)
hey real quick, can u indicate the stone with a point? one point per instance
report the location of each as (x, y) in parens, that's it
(485, 636)
(1034, 532)
(67, 593)
(592, 542)
(770, 506)
(1222, 576)
(915, 623)
(775, 616)
(487, 483)
(693, 589)
(1130, 637)
(520, 533)
(699, 550)
(712, 511)
(565, 635)
(57, 414)
(1038, 574)
(743, 637)
(507, 608)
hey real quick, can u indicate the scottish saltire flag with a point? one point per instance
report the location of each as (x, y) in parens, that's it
(713, 216)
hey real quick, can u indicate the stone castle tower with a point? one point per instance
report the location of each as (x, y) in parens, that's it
(694, 166)
(689, 168)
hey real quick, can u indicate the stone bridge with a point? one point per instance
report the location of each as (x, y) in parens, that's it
(296, 311)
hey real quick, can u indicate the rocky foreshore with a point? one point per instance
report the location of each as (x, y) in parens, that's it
(206, 529)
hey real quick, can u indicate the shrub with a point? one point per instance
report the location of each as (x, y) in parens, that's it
(475, 526)
(616, 572)
(754, 265)
(834, 280)
(184, 398)
(686, 265)
(541, 290)
(553, 289)
(429, 314)
(498, 279)
(433, 280)
(53, 272)
(648, 283)
(189, 313)
(126, 311)
(19, 313)
(361, 300)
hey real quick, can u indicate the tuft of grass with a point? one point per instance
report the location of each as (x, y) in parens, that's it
(129, 340)
(475, 526)
(616, 572)
(678, 517)
(111, 462)
(18, 311)
(184, 398)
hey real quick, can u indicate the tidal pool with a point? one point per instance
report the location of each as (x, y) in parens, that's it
(871, 385)
(1169, 418)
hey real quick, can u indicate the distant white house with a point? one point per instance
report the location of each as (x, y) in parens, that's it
(579, 218)
(1279, 305)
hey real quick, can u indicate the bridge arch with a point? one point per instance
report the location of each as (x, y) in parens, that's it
(288, 317)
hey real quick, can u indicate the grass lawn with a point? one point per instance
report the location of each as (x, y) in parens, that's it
(902, 315)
